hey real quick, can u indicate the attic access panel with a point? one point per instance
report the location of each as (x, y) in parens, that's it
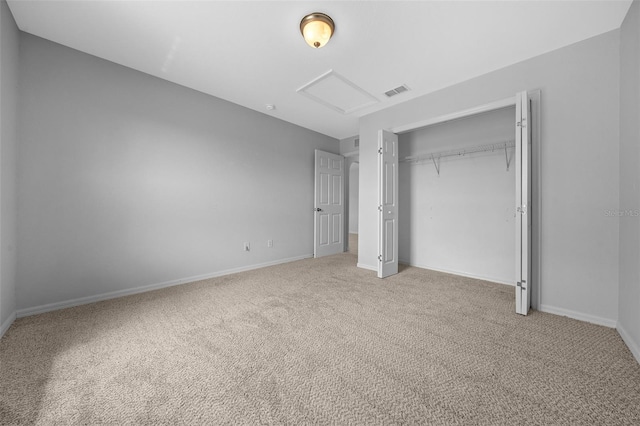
(338, 93)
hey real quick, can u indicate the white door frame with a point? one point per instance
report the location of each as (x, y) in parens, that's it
(535, 243)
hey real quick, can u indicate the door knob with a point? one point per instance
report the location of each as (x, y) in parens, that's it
(317, 209)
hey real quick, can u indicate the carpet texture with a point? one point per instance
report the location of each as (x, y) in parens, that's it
(317, 341)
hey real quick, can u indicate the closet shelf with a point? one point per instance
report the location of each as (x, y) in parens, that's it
(436, 156)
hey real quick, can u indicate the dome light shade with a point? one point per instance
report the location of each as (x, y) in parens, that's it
(317, 28)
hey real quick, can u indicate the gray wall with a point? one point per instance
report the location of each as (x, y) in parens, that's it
(126, 180)
(8, 142)
(463, 220)
(348, 145)
(629, 310)
(579, 162)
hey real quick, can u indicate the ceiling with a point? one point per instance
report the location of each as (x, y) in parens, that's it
(251, 52)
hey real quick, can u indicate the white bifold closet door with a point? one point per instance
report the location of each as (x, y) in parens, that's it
(523, 203)
(387, 204)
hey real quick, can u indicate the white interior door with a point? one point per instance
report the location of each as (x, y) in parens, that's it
(523, 204)
(387, 204)
(329, 204)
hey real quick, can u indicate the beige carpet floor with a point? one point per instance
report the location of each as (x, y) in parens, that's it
(316, 342)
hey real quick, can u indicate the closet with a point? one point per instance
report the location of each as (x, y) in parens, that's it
(456, 196)
(457, 191)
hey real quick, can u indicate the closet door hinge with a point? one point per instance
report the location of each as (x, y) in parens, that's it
(379, 258)
(380, 151)
(380, 208)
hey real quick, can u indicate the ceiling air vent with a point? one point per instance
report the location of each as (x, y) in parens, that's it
(397, 90)
(356, 142)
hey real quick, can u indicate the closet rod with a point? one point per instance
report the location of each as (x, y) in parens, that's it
(462, 151)
(436, 156)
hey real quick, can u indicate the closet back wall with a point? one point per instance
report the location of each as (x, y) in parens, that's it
(463, 220)
(126, 180)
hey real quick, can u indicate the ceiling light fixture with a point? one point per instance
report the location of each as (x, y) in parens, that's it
(317, 28)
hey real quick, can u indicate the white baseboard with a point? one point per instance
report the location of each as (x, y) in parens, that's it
(7, 323)
(460, 273)
(634, 347)
(578, 315)
(369, 267)
(127, 292)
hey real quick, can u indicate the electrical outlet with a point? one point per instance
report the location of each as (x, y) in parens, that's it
(247, 247)
(270, 243)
